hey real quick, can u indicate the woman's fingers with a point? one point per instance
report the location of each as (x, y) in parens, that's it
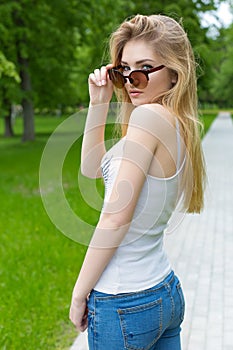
(100, 76)
(109, 66)
(103, 75)
(97, 74)
(78, 315)
(100, 86)
(92, 79)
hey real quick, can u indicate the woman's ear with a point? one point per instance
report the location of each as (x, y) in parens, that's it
(174, 78)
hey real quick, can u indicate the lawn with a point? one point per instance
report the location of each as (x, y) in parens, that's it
(38, 264)
(207, 117)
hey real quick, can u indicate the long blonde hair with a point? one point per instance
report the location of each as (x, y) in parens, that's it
(171, 43)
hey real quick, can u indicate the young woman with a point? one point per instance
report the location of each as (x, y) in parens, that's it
(127, 293)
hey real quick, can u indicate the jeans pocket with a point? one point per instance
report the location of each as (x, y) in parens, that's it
(182, 301)
(141, 325)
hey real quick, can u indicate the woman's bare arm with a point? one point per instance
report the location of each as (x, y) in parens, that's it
(93, 147)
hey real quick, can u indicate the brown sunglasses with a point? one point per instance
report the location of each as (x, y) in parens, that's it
(138, 78)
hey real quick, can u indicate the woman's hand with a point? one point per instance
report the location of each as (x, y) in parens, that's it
(100, 86)
(78, 314)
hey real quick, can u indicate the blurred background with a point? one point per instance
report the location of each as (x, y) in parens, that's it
(47, 50)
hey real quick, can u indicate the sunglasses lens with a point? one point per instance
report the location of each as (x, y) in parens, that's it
(117, 78)
(138, 79)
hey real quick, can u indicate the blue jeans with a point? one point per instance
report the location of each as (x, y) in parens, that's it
(145, 320)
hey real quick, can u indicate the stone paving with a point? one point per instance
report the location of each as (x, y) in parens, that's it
(201, 251)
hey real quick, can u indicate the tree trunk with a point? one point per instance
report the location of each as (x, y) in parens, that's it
(27, 104)
(8, 130)
(28, 120)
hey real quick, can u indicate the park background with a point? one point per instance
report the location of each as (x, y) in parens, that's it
(47, 50)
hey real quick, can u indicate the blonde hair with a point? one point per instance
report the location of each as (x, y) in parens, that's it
(171, 43)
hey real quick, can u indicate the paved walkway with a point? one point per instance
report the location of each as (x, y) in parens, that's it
(201, 251)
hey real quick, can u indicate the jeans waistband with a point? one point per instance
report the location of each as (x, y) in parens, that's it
(167, 281)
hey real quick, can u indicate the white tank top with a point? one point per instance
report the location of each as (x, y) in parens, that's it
(140, 261)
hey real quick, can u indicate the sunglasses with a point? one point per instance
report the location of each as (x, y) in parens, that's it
(138, 78)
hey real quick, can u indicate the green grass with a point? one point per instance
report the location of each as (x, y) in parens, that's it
(38, 264)
(207, 120)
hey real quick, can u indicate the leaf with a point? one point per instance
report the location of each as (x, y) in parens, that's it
(8, 68)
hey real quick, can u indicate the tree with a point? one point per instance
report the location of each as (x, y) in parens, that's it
(223, 71)
(55, 44)
(9, 77)
(97, 20)
(39, 37)
(220, 66)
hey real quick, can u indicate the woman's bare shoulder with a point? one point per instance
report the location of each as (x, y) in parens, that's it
(152, 117)
(160, 110)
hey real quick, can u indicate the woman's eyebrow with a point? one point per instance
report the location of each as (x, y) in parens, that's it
(140, 61)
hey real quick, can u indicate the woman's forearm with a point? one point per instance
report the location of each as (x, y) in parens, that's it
(93, 146)
(95, 261)
(106, 239)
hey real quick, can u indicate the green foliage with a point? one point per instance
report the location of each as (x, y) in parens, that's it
(223, 69)
(9, 79)
(8, 68)
(41, 32)
(58, 43)
(52, 52)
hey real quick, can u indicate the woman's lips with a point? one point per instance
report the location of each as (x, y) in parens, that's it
(135, 93)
